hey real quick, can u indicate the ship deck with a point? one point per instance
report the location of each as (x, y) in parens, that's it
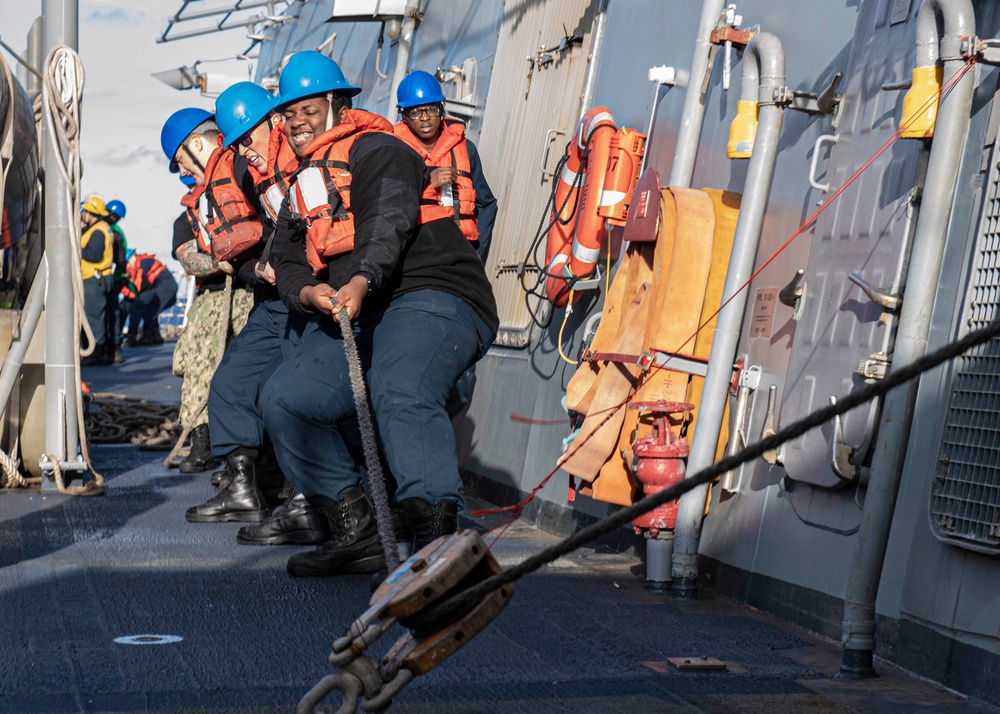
(581, 635)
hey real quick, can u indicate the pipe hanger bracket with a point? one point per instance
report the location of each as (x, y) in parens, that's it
(826, 102)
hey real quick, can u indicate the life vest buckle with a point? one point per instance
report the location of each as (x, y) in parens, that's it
(323, 214)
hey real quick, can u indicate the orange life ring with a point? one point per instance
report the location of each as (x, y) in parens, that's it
(574, 240)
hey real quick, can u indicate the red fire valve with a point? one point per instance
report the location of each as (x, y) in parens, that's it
(660, 463)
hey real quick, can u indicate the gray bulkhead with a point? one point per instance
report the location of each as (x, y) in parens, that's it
(450, 33)
(928, 585)
(801, 530)
(781, 516)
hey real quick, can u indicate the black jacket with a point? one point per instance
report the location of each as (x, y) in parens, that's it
(387, 177)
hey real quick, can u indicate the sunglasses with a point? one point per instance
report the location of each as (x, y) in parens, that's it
(414, 112)
(246, 141)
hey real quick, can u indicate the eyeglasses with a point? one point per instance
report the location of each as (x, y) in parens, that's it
(433, 110)
(247, 140)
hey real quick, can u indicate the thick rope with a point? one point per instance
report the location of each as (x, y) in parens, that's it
(376, 481)
(466, 599)
(10, 473)
(88, 488)
(119, 419)
(62, 93)
(170, 462)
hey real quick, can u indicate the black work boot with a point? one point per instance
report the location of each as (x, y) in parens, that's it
(277, 489)
(108, 355)
(355, 547)
(429, 522)
(200, 457)
(221, 478)
(295, 522)
(241, 500)
(404, 545)
(100, 357)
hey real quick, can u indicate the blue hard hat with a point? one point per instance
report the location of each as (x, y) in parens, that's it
(177, 128)
(240, 108)
(116, 207)
(129, 253)
(308, 73)
(417, 89)
(188, 180)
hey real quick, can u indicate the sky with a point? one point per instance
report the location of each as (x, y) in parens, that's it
(124, 107)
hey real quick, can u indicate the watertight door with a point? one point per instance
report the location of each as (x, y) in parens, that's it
(523, 107)
(866, 231)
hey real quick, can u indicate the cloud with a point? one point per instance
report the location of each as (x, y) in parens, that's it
(112, 15)
(115, 12)
(123, 155)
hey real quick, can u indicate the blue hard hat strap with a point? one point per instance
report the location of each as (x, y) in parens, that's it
(194, 159)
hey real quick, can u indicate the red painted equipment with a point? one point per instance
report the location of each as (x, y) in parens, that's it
(660, 457)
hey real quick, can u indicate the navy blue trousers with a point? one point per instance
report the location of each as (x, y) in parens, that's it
(270, 336)
(100, 303)
(146, 308)
(413, 354)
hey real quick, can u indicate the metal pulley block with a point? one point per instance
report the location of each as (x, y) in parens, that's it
(410, 596)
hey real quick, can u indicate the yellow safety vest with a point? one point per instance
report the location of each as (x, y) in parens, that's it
(106, 264)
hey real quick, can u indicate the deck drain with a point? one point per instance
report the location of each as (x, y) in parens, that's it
(147, 639)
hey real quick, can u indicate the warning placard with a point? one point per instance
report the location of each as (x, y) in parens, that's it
(762, 319)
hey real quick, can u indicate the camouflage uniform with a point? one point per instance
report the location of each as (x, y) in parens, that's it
(197, 348)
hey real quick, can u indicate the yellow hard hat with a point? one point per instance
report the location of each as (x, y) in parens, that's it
(95, 205)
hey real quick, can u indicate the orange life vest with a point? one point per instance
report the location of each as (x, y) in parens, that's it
(190, 202)
(320, 194)
(450, 151)
(135, 273)
(272, 187)
(228, 221)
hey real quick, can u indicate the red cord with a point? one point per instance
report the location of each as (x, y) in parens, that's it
(514, 511)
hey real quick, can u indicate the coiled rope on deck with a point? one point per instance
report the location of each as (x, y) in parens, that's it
(119, 419)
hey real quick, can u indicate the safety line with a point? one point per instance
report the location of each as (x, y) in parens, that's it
(946, 87)
(464, 600)
(369, 444)
(515, 509)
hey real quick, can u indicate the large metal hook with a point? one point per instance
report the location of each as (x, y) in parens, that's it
(350, 688)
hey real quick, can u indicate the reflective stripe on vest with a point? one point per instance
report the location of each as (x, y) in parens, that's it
(282, 162)
(226, 216)
(321, 193)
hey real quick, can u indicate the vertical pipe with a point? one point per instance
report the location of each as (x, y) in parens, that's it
(858, 633)
(765, 52)
(596, 41)
(36, 58)
(682, 168)
(60, 20)
(403, 49)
